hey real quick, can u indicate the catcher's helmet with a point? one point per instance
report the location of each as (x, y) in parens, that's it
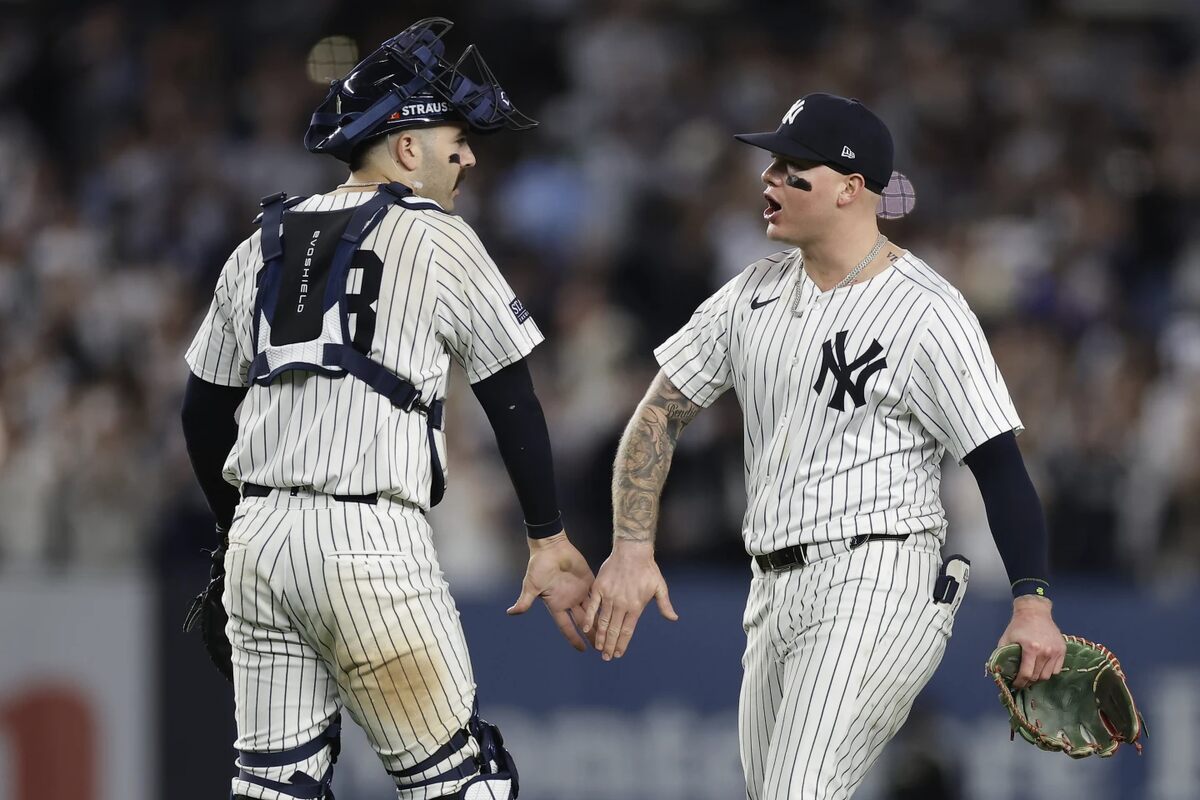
(409, 82)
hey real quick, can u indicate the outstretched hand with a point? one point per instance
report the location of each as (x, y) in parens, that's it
(627, 581)
(560, 575)
(1043, 648)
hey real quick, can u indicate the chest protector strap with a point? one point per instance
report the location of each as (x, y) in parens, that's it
(289, 334)
(303, 305)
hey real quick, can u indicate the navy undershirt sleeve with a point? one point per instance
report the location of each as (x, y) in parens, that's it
(516, 416)
(1014, 513)
(210, 430)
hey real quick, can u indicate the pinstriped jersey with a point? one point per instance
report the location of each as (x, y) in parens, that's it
(436, 296)
(850, 397)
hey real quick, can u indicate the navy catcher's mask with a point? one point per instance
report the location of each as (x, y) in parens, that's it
(409, 82)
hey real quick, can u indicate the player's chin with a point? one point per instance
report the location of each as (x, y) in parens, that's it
(453, 196)
(779, 231)
(776, 232)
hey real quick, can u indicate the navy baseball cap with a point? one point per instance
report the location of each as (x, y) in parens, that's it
(839, 132)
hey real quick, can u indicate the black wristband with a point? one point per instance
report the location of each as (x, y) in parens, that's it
(544, 530)
(1033, 586)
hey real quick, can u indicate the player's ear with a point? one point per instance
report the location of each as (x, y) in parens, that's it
(852, 188)
(408, 149)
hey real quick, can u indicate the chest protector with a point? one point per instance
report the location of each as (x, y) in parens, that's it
(303, 307)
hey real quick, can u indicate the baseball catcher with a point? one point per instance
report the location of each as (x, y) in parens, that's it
(315, 420)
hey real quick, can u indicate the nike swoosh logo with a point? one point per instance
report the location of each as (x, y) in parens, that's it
(756, 303)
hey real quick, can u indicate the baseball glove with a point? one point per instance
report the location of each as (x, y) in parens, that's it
(1084, 710)
(209, 611)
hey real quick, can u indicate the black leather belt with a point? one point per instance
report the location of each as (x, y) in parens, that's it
(786, 558)
(797, 554)
(257, 490)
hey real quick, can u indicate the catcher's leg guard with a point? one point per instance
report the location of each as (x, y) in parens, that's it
(492, 774)
(289, 774)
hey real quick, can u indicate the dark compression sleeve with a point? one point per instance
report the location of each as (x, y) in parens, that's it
(1014, 513)
(210, 429)
(516, 415)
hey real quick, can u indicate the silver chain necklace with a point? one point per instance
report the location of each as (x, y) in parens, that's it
(849, 279)
(844, 282)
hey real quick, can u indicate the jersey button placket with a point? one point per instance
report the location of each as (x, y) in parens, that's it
(815, 303)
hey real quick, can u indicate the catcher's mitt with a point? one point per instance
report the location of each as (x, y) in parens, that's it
(1084, 710)
(207, 608)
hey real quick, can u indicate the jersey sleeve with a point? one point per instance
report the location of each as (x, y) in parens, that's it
(696, 358)
(479, 318)
(956, 390)
(217, 353)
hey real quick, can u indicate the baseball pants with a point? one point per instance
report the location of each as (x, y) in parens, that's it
(338, 604)
(836, 653)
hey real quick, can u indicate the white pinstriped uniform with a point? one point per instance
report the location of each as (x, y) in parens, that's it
(821, 694)
(333, 602)
(441, 297)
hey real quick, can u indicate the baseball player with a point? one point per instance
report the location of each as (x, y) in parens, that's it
(333, 327)
(857, 368)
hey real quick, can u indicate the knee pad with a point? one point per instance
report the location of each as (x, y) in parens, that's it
(497, 778)
(475, 753)
(290, 774)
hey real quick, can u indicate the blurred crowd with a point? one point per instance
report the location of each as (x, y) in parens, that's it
(1053, 147)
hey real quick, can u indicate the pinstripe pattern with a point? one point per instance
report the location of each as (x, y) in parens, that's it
(442, 297)
(835, 655)
(837, 651)
(813, 473)
(333, 603)
(337, 604)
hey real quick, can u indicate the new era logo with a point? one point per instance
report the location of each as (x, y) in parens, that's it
(847, 152)
(796, 108)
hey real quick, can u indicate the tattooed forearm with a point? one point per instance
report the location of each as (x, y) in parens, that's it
(644, 458)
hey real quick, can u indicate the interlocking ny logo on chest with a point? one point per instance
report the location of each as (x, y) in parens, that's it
(833, 362)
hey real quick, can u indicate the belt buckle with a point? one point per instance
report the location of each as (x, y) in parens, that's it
(779, 559)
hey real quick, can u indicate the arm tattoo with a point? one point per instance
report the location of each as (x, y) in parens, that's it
(644, 458)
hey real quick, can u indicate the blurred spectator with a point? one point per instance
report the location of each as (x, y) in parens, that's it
(1053, 153)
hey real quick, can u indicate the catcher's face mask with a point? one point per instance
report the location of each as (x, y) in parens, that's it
(407, 82)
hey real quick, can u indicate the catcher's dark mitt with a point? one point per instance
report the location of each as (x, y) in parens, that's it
(208, 610)
(1084, 710)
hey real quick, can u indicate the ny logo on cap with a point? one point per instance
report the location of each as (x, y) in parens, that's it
(796, 108)
(847, 152)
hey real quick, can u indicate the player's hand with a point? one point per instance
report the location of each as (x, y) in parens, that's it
(1042, 645)
(560, 575)
(627, 581)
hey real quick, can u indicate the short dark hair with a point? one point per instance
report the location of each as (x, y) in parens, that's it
(358, 156)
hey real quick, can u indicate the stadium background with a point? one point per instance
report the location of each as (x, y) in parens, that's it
(1053, 145)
